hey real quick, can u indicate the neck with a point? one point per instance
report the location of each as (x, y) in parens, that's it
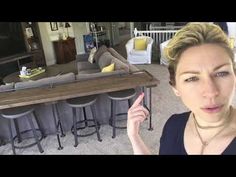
(217, 124)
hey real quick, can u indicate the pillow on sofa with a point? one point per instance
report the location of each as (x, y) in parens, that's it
(119, 65)
(91, 55)
(140, 44)
(104, 60)
(115, 54)
(108, 68)
(99, 52)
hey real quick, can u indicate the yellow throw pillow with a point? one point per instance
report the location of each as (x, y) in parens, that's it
(140, 44)
(108, 68)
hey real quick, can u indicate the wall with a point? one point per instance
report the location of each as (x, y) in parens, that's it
(80, 28)
(76, 30)
(47, 44)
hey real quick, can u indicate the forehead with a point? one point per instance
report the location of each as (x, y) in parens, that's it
(204, 56)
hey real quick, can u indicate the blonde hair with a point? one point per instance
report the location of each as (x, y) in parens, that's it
(194, 34)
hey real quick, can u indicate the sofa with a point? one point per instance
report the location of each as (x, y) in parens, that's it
(103, 57)
(86, 70)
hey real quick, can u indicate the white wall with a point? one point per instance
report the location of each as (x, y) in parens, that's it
(48, 36)
(80, 29)
(47, 44)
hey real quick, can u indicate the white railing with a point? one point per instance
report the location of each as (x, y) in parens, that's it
(158, 36)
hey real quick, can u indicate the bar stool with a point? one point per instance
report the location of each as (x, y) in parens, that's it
(13, 115)
(81, 103)
(119, 96)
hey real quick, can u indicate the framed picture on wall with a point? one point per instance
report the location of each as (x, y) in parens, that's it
(88, 42)
(54, 26)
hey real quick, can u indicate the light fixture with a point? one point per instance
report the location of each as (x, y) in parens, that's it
(67, 25)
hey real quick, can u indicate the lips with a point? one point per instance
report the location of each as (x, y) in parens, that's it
(212, 108)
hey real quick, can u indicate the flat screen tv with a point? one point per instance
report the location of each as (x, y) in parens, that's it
(11, 39)
(11, 43)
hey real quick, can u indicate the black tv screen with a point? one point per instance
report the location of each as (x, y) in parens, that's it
(11, 39)
(11, 43)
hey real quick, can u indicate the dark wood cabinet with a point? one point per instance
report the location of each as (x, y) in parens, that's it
(65, 50)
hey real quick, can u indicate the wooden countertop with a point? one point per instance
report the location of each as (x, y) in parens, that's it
(76, 89)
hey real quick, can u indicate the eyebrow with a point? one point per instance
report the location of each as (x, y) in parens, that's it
(197, 72)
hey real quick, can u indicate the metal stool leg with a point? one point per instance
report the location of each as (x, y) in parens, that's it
(129, 102)
(34, 132)
(75, 128)
(39, 125)
(95, 121)
(150, 117)
(85, 117)
(113, 118)
(17, 130)
(59, 121)
(11, 136)
(56, 128)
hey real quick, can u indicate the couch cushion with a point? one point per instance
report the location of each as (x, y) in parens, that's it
(119, 65)
(8, 87)
(90, 71)
(139, 52)
(65, 78)
(99, 52)
(104, 60)
(117, 55)
(86, 66)
(98, 75)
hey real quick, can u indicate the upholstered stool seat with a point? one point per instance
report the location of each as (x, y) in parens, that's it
(82, 103)
(119, 96)
(13, 114)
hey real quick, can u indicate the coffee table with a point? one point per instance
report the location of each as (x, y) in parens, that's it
(14, 77)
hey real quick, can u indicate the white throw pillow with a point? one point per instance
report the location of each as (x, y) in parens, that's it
(91, 55)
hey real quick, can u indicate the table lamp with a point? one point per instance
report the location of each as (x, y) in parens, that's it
(67, 25)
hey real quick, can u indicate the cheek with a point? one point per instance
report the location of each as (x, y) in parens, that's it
(188, 93)
(228, 88)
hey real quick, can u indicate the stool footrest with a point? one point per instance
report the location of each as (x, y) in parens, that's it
(29, 145)
(80, 128)
(119, 127)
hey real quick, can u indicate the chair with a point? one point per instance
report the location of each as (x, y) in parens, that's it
(163, 60)
(51, 81)
(123, 95)
(139, 56)
(80, 103)
(13, 115)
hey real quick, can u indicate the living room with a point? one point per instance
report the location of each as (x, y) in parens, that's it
(162, 107)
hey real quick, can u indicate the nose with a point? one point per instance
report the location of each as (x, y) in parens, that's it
(210, 88)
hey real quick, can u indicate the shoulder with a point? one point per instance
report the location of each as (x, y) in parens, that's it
(177, 119)
(171, 141)
(175, 123)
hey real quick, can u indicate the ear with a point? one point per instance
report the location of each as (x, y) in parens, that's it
(176, 91)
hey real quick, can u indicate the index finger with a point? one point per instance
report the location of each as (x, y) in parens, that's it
(138, 100)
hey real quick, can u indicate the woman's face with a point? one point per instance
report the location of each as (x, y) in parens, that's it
(205, 81)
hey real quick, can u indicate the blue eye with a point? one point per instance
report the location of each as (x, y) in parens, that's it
(191, 79)
(222, 74)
